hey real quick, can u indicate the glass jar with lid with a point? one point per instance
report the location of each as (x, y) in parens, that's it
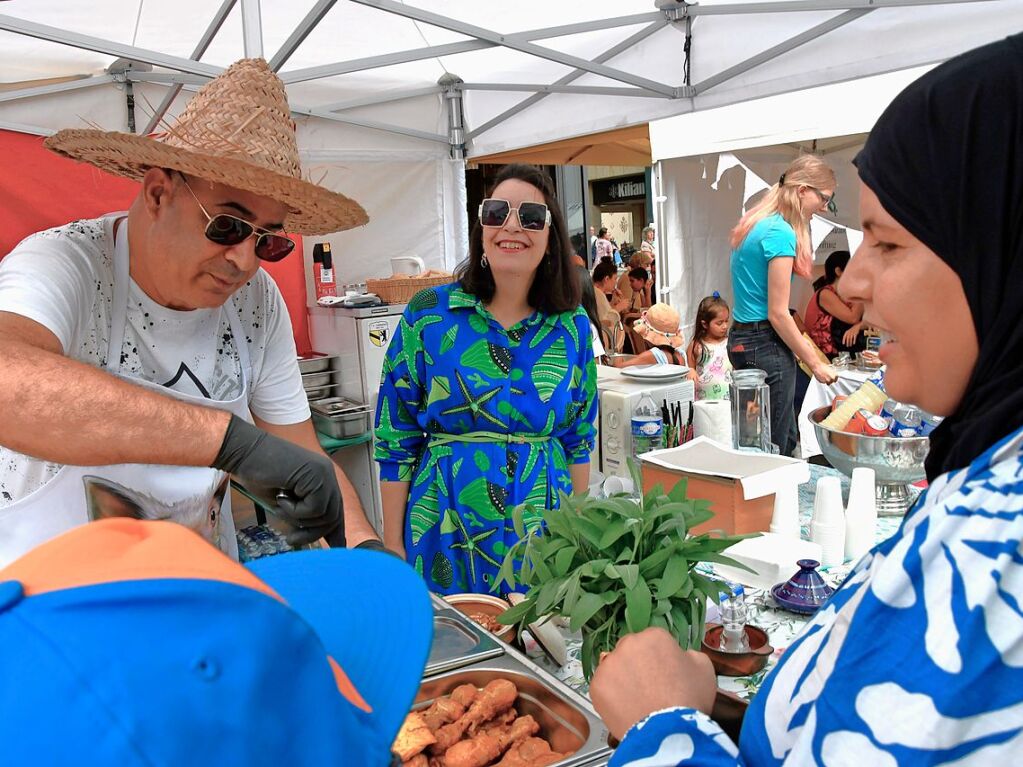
(751, 411)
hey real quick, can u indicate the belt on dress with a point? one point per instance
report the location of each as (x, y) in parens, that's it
(488, 436)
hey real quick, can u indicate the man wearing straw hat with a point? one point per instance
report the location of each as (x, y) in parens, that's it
(146, 355)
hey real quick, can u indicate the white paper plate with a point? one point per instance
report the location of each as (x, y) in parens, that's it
(655, 372)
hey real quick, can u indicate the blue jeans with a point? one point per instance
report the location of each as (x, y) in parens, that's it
(763, 348)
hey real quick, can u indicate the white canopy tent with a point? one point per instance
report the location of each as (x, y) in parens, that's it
(390, 97)
(709, 166)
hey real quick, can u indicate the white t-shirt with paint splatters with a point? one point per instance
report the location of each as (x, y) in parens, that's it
(63, 279)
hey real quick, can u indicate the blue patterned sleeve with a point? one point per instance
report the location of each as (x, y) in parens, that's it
(580, 433)
(399, 439)
(676, 737)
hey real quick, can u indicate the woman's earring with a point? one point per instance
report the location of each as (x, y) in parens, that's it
(483, 261)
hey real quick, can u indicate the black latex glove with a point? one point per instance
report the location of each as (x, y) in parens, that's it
(372, 544)
(300, 484)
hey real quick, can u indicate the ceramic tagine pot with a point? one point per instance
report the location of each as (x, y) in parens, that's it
(805, 591)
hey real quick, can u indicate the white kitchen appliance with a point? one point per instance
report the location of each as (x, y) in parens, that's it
(618, 397)
(359, 337)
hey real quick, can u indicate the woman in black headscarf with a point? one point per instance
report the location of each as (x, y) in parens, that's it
(918, 657)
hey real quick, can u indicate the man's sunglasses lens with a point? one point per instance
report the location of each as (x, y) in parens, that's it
(494, 212)
(227, 230)
(533, 215)
(273, 247)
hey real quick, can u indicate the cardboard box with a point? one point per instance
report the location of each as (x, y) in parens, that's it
(740, 485)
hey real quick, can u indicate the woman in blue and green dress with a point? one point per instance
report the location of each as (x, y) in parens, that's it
(488, 393)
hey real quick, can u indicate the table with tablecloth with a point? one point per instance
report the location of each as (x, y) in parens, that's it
(781, 626)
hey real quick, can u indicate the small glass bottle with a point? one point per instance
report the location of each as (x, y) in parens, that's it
(733, 620)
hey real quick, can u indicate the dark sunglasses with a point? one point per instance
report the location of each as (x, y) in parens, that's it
(227, 230)
(533, 216)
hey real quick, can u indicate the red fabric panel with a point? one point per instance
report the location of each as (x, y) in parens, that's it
(40, 190)
(289, 275)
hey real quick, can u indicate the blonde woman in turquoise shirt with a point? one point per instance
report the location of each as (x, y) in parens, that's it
(770, 243)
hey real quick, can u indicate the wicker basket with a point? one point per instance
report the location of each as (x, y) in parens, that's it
(400, 291)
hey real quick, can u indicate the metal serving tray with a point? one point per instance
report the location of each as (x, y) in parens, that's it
(315, 362)
(457, 640)
(315, 380)
(566, 719)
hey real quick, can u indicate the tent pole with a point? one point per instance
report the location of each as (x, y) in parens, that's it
(301, 32)
(45, 90)
(204, 42)
(610, 53)
(451, 49)
(456, 122)
(108, 47)
(550, 54)
(252, 29)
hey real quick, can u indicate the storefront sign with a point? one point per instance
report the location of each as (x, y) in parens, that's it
(611, 190)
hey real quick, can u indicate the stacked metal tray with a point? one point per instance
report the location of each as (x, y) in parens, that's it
(463, 653)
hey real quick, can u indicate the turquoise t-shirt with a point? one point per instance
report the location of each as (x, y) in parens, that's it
(771, 237)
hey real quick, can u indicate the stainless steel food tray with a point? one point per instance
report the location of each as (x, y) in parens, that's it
(566, 719)
(314, 362)
(457, 640)
(315, 380)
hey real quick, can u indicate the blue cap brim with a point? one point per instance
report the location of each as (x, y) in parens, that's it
(373, 613)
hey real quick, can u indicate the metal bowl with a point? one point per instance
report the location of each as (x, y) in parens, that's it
(896, 461)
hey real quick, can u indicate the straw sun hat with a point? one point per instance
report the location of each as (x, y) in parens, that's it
(236, 130)
(660, 325)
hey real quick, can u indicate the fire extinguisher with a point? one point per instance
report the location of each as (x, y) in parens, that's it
(323, 271)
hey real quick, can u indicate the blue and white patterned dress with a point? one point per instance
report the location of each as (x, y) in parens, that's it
(916, 660)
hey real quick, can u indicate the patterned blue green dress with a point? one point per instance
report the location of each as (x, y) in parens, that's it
(526, 396)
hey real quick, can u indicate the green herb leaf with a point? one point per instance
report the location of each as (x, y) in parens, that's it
(638, 606)
(652, 566)
(572, 594)
(676, 573)
(614, 530)
(587, 606)
(563, 559)
(547, 596)
(514, 614)
(629, 575)
(678, 493)
(680, 618)
(520, 528)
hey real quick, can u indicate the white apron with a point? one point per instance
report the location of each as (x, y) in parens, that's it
(197, 497)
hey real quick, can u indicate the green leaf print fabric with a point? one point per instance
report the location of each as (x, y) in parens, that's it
(452, 369)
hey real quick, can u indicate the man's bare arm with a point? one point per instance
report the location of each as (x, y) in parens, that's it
(57, 409)
(357, 527)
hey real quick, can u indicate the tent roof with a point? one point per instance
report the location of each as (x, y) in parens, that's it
(530, 72)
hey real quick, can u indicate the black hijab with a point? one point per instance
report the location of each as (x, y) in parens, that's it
(946, 161)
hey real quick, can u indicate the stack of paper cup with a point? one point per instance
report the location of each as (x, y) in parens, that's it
(828, 524)
(785, 520)
(861, 514)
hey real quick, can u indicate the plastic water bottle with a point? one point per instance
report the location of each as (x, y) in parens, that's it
(733, 620)
(906, 420)
(647, 426)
